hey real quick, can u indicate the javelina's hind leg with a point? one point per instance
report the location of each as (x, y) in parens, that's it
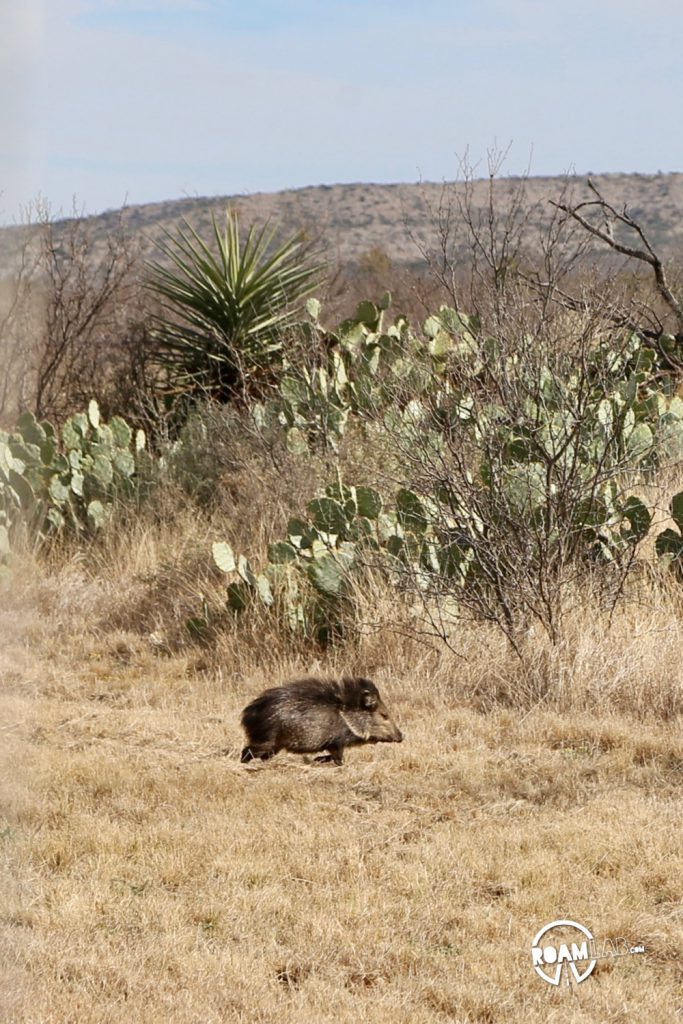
(251, 753)
(335, 756)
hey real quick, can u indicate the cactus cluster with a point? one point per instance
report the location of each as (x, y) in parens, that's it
(368, 367)
(565, 472)
(532, 462)
(50, 480)
(669, 543)
(309, 575)
(363, 366)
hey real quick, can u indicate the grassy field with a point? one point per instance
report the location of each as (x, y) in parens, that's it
(148, 876)
(526, 462)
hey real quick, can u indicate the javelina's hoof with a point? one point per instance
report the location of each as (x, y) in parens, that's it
(249, 754)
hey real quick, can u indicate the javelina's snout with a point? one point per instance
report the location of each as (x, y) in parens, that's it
(312, 715)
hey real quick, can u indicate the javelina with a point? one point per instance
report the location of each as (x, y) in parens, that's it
(311, 715)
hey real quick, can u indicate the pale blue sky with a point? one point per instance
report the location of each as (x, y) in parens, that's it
(113, 101)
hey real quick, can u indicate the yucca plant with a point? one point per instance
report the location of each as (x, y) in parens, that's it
(225, 306)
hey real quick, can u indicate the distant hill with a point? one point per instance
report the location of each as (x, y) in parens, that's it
(350, 220)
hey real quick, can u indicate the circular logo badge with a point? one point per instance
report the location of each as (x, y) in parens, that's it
(563, 945)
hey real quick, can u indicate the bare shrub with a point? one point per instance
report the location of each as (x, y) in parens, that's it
(73, 323)
(476, 251)
(523, 451)
(20, 317)
(88, 299)
(651, 312)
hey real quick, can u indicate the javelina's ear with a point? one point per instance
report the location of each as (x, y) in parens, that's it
(368, 700)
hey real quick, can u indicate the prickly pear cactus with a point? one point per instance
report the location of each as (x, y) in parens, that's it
(669, 543)
(309, 577)
(50, 480)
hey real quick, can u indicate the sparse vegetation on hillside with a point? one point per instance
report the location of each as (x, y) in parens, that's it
(353, 219)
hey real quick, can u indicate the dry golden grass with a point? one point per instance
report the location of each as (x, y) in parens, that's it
(148, 876)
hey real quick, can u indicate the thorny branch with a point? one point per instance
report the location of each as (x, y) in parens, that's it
(606, 233)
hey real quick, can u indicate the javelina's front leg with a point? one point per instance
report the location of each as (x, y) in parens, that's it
(335, 756)
(251, 753)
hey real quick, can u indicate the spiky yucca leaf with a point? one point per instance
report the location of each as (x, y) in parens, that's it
(224, 308)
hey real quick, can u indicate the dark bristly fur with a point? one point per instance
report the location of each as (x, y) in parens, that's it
(311, 715)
